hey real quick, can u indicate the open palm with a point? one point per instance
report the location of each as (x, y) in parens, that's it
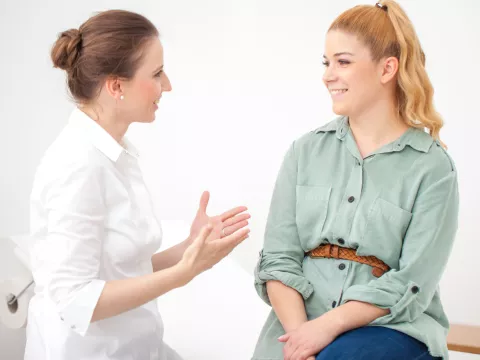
(230, 221)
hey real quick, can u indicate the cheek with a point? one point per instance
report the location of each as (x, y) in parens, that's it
(148, 89)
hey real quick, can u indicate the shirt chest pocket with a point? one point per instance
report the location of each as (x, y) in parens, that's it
(384, 232)
(311, 213)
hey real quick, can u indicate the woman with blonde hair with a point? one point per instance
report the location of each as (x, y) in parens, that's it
(365, 208)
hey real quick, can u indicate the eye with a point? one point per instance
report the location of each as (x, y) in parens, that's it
(325, 63)
(344, 62)
(158, 74)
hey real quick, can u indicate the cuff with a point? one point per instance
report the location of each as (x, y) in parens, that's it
(79, 311)
(299, 283)
(403, 305)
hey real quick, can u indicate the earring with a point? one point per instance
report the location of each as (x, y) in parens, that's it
(121, 97)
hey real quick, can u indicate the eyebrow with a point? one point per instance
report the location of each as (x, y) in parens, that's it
(158, 69)
(340, 53)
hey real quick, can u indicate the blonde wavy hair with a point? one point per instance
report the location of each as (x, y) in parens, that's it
(386, 29)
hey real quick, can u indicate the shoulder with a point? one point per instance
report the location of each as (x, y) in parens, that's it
(315, 136)
(436, 160)
(68, 160)
(434, 163)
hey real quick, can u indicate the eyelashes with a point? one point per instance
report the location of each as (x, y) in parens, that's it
(341, 62)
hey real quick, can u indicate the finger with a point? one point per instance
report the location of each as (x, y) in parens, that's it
(240, 238)
(304, 354)
(204, 201)
(284, 338)
(296, 353)
(235, 236)
(236, 243)
(226, 245)
(230, 213)
(236, 219)
(204, 233)
(231, 229)
(287, 350)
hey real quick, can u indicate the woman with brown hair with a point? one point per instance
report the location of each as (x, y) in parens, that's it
(94, 231)
(365, 208)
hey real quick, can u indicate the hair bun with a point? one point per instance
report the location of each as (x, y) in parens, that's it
(66, 49)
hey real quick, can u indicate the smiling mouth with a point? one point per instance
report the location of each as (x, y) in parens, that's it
(338, 91)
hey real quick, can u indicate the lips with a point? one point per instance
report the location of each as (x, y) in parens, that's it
(338, 91)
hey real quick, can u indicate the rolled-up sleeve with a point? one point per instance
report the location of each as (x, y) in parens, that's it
(282, 255)
(408, 291)
(71, 249)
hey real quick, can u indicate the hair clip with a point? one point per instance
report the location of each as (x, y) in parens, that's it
(383, 7)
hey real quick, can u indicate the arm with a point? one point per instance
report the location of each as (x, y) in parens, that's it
(352, 315)
(71, 253)
(169, 257)
(119, 296)
(408, 291)
(288, 305)
(399, 295)
(279, 269)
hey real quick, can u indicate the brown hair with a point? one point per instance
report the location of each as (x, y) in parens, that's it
(110, 43)
(386, 29)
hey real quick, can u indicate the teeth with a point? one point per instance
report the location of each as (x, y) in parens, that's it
(339, 91)
(156, 102)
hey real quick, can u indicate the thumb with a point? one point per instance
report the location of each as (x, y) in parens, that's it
(204, 201)
(204, 233)
(284, 338)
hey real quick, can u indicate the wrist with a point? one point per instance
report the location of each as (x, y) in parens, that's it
(188, 240)
(294, 325)
(335, 321)
(184, 272)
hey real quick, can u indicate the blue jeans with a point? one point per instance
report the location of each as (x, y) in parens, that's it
(375, 343)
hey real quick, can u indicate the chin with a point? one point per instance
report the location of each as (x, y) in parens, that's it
(149, 119)
(340, 110)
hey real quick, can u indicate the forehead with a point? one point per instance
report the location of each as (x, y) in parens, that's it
(153, 54)
(338, 41)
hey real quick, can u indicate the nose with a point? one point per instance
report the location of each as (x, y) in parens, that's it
(166, 85)
(329, 75)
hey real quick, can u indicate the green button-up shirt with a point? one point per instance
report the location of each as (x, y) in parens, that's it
(399, 204)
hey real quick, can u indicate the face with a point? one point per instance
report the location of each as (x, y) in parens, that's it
(352, 78)
(142, 94)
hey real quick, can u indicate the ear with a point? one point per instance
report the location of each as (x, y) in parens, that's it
(388, 69)
(114, 87)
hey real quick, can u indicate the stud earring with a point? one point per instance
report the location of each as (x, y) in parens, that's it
(122, 97)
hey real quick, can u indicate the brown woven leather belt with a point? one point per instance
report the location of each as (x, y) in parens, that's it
(337, 252)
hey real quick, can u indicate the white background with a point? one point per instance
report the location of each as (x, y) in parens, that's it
(246, 77)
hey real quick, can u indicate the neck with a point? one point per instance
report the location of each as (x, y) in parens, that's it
(378, 125)
(108, 121)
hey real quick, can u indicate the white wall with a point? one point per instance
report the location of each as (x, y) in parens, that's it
(246, 76)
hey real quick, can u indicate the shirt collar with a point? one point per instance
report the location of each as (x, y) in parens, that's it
(413, 137)
(100, 138)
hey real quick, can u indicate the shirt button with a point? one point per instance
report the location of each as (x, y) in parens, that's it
(334, 304)
(415, 289)
(341, 266)
(341, 241)
(351, 199)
